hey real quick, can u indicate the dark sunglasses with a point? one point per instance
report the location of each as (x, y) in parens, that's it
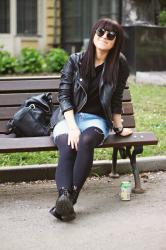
(110, 34)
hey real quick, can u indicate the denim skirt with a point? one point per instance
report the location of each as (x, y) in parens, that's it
(83, 121)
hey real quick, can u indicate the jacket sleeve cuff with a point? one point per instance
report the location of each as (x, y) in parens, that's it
(66, 107)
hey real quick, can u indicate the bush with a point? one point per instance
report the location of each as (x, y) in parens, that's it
(7, 63)
(162, 18)
(30, 61)
(55, 59)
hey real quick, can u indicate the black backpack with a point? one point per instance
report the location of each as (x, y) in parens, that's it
(33, 118)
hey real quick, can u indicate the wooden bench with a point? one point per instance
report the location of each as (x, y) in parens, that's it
(13, 92)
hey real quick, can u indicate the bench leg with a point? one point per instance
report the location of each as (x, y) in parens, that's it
(135, 170)
(122, 152)
(113, 173)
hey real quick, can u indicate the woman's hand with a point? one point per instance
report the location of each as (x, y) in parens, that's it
(74, 132)
(117, 122)
(126, 132)
(73, 137)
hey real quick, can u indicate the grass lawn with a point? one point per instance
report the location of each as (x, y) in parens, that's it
(150, 112)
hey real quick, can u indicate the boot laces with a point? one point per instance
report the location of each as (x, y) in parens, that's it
(64, 191)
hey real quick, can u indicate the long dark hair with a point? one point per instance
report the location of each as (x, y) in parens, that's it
(112, 61)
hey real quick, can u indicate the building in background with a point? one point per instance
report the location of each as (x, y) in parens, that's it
(145, 40)
(27, 23)
(51, 23)
(78, 16)
(43, 24)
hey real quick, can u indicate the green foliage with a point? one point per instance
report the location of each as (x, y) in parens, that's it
(7, 63)
(55, 59)
(20, 159)
(162, 18)
(30, 61)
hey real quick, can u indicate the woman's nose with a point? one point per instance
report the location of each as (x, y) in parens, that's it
(105, 35)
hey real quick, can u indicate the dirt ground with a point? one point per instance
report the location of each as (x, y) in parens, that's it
(103, 220)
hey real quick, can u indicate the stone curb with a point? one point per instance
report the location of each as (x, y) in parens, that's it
(47, 171)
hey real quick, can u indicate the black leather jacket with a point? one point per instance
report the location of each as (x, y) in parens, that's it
(73, 89)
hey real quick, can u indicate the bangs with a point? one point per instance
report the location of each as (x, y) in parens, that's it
(109, 26)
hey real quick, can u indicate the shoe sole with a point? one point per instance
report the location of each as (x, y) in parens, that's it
(64, 207)
(68, 217)
(65, 218)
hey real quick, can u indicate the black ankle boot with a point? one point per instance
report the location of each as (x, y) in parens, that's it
(63, 209)
(54, 213)
(74, 195)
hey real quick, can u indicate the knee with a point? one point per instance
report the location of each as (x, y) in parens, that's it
(86, 140)
(91, 137)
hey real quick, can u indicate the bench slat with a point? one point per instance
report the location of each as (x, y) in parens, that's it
(137, 138)
(18, 99)
(15, 99)
(126, 95)
(22, 85)
(127, 108)
(28, 85)
(9, 145)
(7, 112)
(128, 122)
(45, 85)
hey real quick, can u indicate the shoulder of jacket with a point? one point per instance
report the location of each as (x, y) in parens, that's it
(76, 57)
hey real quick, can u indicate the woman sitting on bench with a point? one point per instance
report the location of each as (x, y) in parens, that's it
(90, 97)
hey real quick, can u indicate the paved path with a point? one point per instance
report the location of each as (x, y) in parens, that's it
(103, 221)
(150, 77)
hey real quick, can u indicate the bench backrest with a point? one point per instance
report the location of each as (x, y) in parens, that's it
(13, 93)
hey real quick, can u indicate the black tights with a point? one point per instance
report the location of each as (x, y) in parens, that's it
(74, 166)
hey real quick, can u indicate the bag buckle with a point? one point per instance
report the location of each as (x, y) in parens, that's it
(32, 106)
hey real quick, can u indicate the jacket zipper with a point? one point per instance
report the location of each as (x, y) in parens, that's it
(85, 100)
(99, 93)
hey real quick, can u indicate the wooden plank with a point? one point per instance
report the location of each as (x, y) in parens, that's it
(27, 77)
(128, 121)
(127, 84)
(7, 112)
(126, 95)
(137, 138)
(127, 108)
(31, 83)
(19, 98)
(44, 85)
(3, 127)
(9, 145)
(28, 85)
(3, 124)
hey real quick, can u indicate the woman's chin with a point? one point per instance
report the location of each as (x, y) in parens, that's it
(102, 48)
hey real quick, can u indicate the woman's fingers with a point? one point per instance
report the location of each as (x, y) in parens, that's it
(73, 142)
(126, 132)
(73, 138)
